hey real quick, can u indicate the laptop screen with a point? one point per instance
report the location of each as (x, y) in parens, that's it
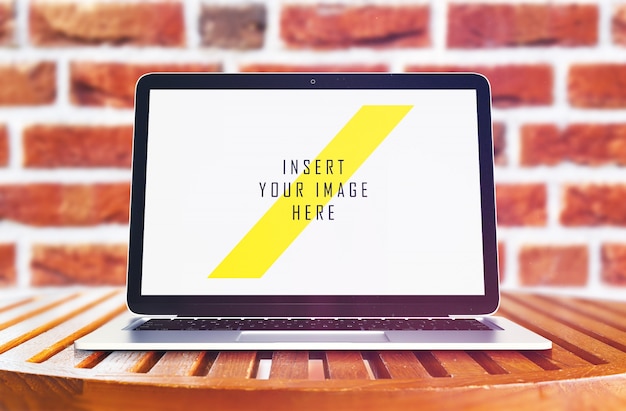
(312, 192)
(271, 193)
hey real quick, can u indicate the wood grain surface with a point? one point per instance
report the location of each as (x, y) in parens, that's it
(39, 368)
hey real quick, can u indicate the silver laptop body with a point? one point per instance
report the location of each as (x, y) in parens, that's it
(299, 199)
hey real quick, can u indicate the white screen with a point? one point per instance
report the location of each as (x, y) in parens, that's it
(408, 222)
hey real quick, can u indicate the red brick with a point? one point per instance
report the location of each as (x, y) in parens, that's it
(7, 265)
(27, 83)
(499, 144)
(594, 205)
(596, 144)
(113, 84)
(7, 22)
(501, 260)
(4, 146)
(511, 85)
(618, 26)
(51, 146)
(521, 204)
(48, 204)
(614, 264)
(597, 85)
(541, 144)
(136, 23)
(240, 27)
(541, 265)
(587, 144)
(504, 25)
(342, 26)
(305, 68)
(54, 265)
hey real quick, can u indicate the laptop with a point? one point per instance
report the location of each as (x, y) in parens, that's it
(312, 211)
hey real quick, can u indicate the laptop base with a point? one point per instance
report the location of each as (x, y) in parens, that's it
(113, 336)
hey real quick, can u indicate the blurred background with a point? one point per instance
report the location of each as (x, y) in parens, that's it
(558, 75)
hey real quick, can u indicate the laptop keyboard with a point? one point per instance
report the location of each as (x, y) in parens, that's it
(200, 324)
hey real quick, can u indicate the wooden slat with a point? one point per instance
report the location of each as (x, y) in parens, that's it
(592, 310)
(459, 363)
(290, 365)
(69, 357)
(580, 322)
(55, 340)
(346, 365)
(90, 360)
(563, 358)
(13, 303)
(22, 312)
(431, 364)
(234, 364)
(41, 322)
(128, 362)
(487, 363)
(618, 307)
(402, 365)
(558, 356)
(580, 344)
(513, 362)
(176, 363)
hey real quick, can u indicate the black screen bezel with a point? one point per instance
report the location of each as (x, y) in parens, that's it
(319, 305)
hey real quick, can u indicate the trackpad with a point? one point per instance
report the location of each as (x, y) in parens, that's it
(312, 336)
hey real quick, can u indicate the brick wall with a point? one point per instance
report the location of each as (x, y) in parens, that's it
(558, 72)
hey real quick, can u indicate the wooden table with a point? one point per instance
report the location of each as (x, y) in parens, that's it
(39, 368)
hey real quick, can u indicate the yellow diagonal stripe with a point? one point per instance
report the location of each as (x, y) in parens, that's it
(276, 230)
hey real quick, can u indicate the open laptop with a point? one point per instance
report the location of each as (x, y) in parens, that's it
(312, 211)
